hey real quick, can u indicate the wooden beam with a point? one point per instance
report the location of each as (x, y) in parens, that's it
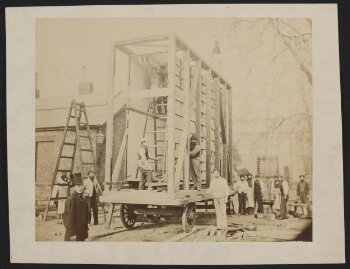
(171, 115)
(125, 50)
(208, 131)
(147, 93)
(144, 40)
(216, 86)
(187, 103)
(118, 162)
(199, 103)
(224, 130)
(230, 140)
(223, 112)
(158, 117)
(110, 105)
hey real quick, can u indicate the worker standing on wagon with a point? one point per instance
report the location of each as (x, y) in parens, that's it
(143, 164)
(220, 191)
(195, 163)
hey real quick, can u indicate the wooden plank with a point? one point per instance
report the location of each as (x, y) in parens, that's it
(216, 86)
(145, 113)
(147, 93)
(143, 40)
(186, 159)
(182, 236)
(109, 123)
(118, 162)
(109, 215)
(188, 104)
(171, 114)
(208, 132)
(78, 139)
(198, 103)
(224, 130)
(230, 142)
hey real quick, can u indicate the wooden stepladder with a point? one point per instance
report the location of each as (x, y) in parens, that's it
(76, 140)
(158, 135)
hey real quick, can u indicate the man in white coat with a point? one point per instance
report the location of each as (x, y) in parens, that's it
(220, 191)
(91, 191)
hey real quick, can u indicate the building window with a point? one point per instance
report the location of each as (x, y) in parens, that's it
(267, 165)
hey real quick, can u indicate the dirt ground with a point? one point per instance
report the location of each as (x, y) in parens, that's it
(171, 230)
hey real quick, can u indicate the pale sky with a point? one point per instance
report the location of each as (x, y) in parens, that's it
(266, 80)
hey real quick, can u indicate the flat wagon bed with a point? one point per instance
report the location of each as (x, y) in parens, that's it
(136, 205)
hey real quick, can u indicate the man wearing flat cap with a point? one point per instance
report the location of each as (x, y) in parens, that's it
(76, 212)
(195, 162)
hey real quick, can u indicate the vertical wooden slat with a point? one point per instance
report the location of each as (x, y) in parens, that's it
(208, 136)
(171, 114)
(109, 126)
(198, 103)
(230, 141)
(78, 145)
(216, 86)
(223, 106)
(187, 104)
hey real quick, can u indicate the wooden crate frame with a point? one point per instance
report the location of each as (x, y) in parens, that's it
(223, 116)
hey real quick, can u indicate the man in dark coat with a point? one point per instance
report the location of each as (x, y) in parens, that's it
(195, 163)
(258, 195)
(76, 212)
(303, 190)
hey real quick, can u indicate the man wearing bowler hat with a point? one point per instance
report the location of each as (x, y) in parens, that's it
(76, 212)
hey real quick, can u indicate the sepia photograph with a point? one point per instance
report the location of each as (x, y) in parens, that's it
(174, 129)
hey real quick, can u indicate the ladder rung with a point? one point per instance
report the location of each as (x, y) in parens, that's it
(86, 150)
(69, 144)
(88, 163)
(159, 154)
(67, 157)
(61, 184)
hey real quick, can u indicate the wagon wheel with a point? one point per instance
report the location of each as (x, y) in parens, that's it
(153, 218)
(188, 217)
(127, 216)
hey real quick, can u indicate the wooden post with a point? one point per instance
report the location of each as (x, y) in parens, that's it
(208, 129)
(171, 114)
(223, 106)
(230, 141)
(109, 126)
(187, 117)
(109, 216)
(199, 103)
(216, 86)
